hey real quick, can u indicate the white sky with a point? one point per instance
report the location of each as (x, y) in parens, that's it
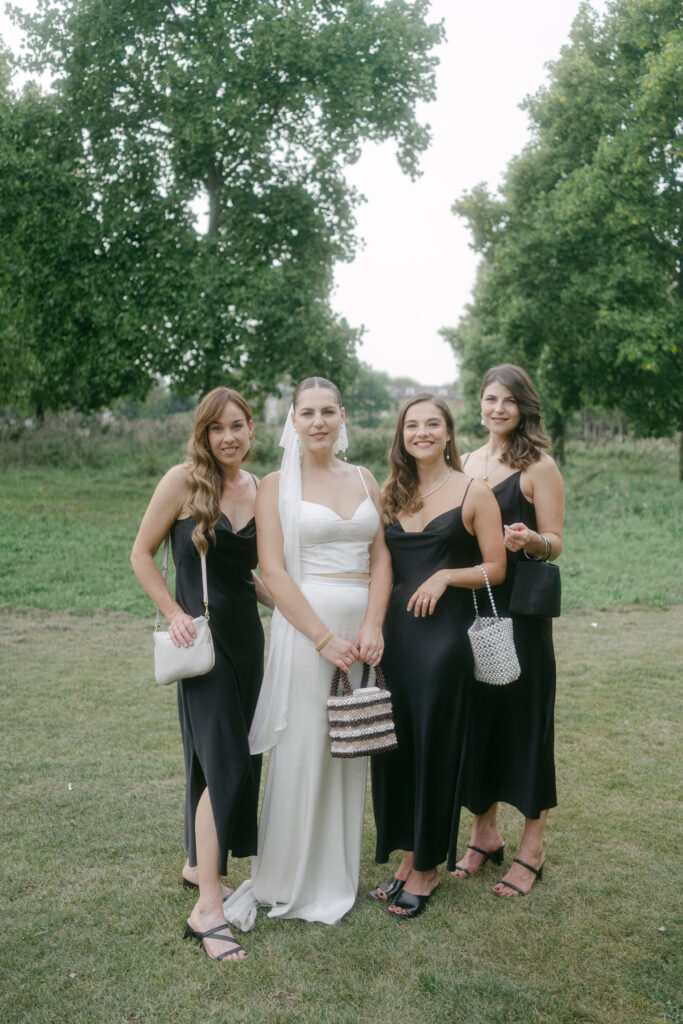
(416, 270)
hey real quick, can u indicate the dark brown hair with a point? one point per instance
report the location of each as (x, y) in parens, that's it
(524, 445)
(206, 477)
(400, 492)
(316, 382)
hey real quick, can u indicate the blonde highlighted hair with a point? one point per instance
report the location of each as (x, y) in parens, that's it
(400, 492)
(206, 478)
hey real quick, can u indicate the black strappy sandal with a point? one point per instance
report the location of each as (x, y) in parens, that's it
(510, 885)
(212, 933)
(496, 856)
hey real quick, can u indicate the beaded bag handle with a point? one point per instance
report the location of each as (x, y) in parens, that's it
(164, 570)
(341, 676)
(482, 570)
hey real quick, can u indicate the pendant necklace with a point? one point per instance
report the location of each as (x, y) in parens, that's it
(486, 466)
(438, 485)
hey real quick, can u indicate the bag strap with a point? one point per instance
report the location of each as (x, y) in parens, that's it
(340, 676)
(164, 570)
(482, 570)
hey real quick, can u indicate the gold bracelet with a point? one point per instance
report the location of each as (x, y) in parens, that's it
(321, 643)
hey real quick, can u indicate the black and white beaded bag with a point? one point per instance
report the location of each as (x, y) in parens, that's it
(361, 721)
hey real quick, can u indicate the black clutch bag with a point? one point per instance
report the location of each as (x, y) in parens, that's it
(536, 589)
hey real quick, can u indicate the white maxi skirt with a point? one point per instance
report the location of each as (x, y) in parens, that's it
(311, 823)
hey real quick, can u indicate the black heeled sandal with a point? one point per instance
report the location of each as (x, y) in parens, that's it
(213, 933)
(510, 885)
(496, 856)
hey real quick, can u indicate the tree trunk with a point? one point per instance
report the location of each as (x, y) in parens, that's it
(558, 434)
(212, 183)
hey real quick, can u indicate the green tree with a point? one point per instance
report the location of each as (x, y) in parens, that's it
(368, 397)
(256, 106)
(580, 279)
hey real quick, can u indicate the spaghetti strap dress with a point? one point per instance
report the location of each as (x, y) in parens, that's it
(429, 670)
(311, 824)
(510, 743)
(216, 709)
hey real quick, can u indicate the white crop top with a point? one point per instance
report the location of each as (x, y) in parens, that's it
(330, 544)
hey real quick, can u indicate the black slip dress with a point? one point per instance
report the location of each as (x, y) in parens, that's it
(216, 709)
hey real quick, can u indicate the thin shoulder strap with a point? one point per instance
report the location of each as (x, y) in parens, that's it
(360, 471)
(164, 570)
(255, 480)
(462, 503)
(466, 460)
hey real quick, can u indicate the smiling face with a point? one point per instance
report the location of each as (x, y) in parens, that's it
(318, 418)
(425, 432)
(229, 436)
(499, 409)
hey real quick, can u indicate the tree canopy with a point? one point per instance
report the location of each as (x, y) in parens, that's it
(251, 107)
(580, 279)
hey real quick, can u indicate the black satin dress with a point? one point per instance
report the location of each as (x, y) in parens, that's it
(428, 668)
(216, 709)
(510, 743)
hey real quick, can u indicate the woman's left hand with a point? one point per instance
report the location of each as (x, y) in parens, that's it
(425, 597)
(370, 644)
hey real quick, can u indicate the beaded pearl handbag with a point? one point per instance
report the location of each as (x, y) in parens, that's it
(493, 644)
(361, 721)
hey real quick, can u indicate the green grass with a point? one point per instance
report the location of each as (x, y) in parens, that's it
(67, 533)
(93, 910)
(92, 795)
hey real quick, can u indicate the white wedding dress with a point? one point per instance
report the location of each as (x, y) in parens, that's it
(312, 817)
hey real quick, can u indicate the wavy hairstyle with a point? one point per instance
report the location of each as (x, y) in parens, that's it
(206, 477)
(526, 442)
(400, 492)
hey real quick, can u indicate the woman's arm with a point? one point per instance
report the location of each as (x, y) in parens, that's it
(481, 516)
(166, 505)
(542, 485)
(288, 598)
(262, 594)
(370, 641)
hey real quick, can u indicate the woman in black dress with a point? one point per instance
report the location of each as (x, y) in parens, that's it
(439, 526)
(510, 755)
(207, 505)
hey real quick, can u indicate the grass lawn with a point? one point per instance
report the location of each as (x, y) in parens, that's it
(92, 799)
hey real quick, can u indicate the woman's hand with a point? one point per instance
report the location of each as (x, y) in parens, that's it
(339, 652)
(370, 644)
(517, 536)
(181, 630)
(427, 594)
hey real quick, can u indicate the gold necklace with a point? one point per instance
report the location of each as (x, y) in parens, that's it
(486, 465)
(438, 485)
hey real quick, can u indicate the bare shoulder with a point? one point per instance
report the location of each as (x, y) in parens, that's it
(544, 470)
(176, 482)
(269, 487)
(369, 479)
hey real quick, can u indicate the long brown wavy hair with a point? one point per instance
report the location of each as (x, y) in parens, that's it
(400, 492)
(206, 478)
(525, 444)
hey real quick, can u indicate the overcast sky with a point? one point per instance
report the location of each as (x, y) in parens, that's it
(416, 270)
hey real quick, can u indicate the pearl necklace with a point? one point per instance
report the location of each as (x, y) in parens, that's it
(438, 485)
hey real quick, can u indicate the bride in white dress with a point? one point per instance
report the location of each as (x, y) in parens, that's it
(323, 558)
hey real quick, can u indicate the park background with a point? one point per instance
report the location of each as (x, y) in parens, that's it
(116, 311)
